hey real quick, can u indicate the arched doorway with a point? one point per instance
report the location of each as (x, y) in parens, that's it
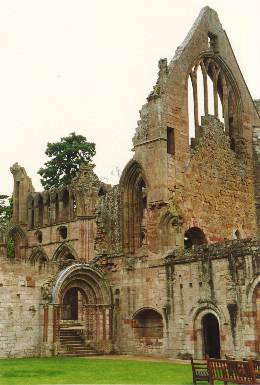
(211, 336)
(73, 304)
(82, 306)
(256, 308)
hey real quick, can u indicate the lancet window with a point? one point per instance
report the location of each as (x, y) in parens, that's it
(211, 92)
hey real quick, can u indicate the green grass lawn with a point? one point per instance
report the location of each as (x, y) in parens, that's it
(63, 370)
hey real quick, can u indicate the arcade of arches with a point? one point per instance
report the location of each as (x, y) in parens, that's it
(167, 262)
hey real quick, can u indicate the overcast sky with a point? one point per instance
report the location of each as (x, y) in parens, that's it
(88, 66)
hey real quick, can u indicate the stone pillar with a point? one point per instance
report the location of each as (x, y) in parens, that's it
(45, 219)
(52, 208)
(60, 205)
(30, 216)
(225, 105)
(205, 87)
(215, 90)
(257, 331)
(104, 319)
(71, 205)
(45, 323)
(36, 212)
(56, 324)
(195, 102)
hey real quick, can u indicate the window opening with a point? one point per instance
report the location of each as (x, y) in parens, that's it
(170, 141)
(63, 232)
(38, 236)
(193, 237)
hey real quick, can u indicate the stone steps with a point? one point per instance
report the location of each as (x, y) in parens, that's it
(73, 345)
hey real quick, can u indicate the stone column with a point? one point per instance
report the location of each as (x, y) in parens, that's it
(257, 331)
(36, 212)
(195, 102)
(60, 205)
(205, 88)
(46, 201)
(30, 215)
(225, 105)
(52, 208)
(56, 323)
(45, 323)
(215, 90)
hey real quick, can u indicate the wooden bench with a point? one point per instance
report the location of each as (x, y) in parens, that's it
(256, 364)
(233, 372)
(199, 371)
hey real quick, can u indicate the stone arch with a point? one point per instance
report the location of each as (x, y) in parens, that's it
(251, 287)
(64, 252)
(197, 315)
(227, 101)
(194, 236)
(85, 273)
(81, 293)
(168, 224)
(148, 323)
(38, 210)
(253, 305)
(16, 241)
(256, 312)
(38, 256)
(134, 189)
(30, 208)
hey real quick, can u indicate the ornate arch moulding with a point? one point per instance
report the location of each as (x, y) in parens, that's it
(81, 269)
(251, 288)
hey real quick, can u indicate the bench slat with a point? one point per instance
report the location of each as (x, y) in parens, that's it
(232, 371)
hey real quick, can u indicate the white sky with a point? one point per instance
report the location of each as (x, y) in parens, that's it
(88, 66)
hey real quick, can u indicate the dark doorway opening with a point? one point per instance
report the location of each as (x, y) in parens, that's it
(211, 336)
(70, 304)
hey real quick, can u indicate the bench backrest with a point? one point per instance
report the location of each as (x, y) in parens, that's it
(237, 372)
(256, 364)
(199, 370)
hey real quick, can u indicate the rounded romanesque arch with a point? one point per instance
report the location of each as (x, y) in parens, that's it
(81, 274)
(148, 323)
(194, 236)
(82, 300)
(208, 323)
(134, 190)
(256, 312)
(253, 305)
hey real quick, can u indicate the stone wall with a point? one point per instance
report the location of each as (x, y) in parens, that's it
(20, 309)
(167, 253)
(216, 279)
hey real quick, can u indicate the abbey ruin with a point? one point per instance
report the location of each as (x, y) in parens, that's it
(165, 263)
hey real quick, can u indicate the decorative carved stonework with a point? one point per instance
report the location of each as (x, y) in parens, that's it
(142, 130)
(46, 289)
(85, 186)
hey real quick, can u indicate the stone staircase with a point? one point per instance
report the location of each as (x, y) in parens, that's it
(72, 344)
